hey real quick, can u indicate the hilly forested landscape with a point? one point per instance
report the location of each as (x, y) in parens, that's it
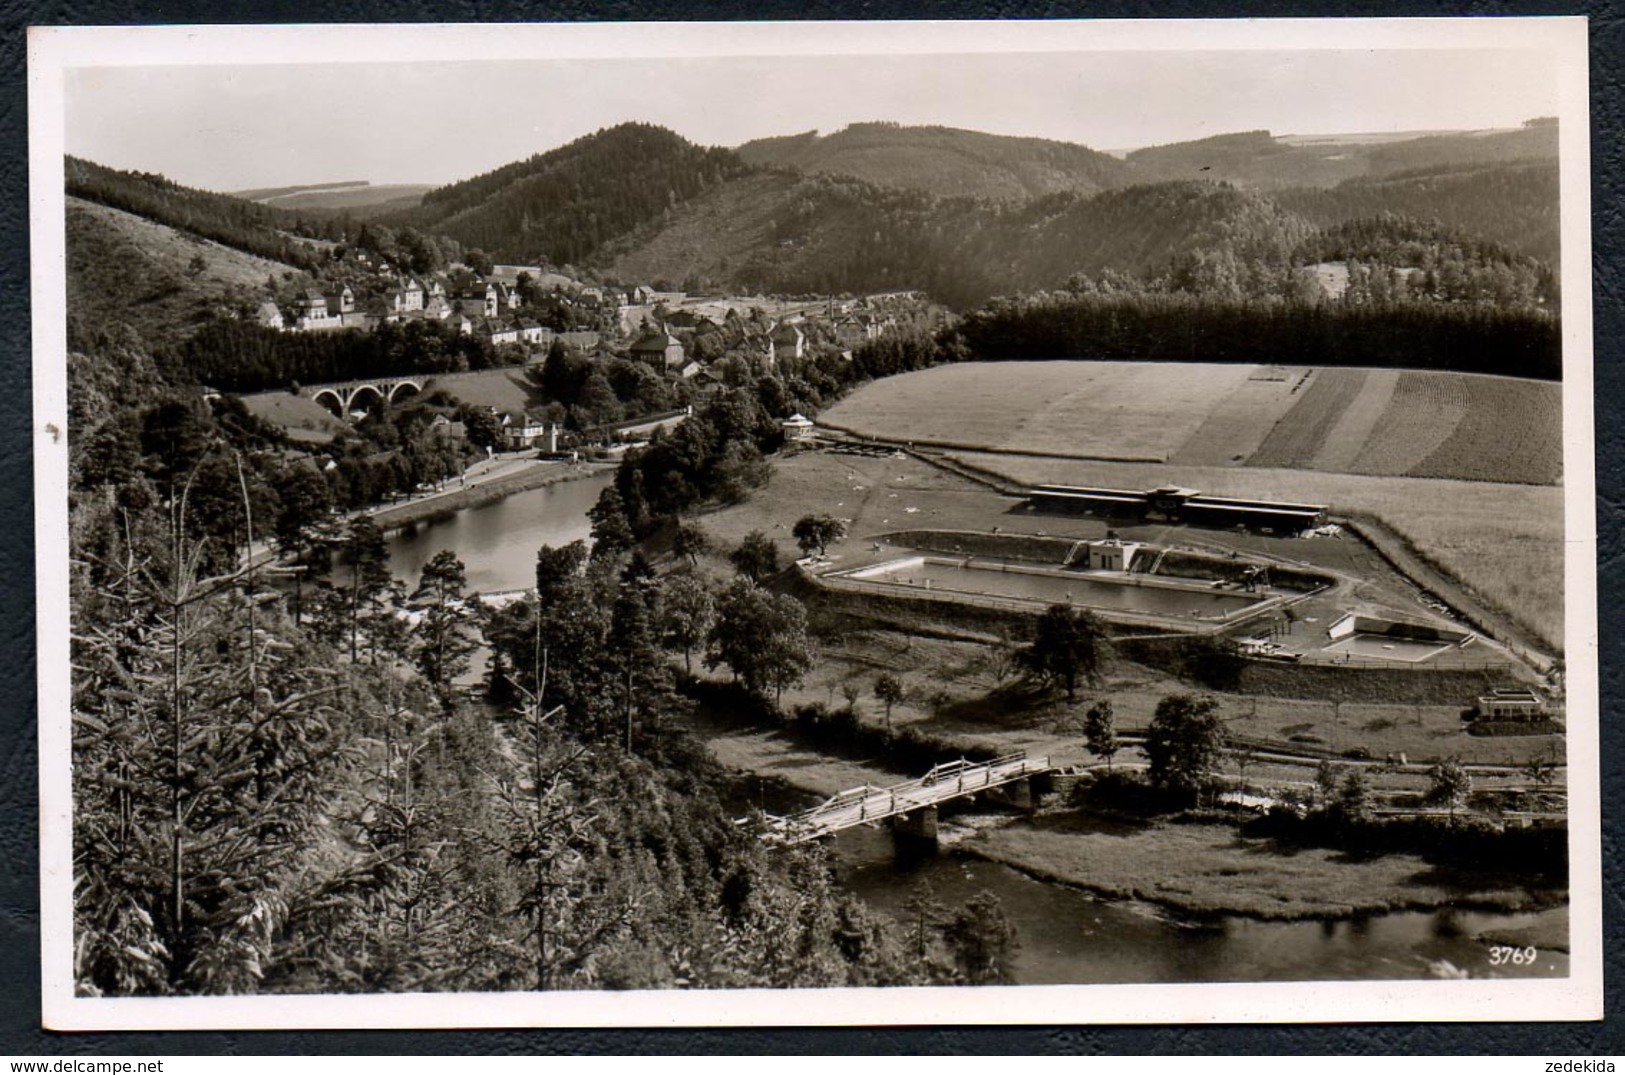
(317, 752)
(961, 215)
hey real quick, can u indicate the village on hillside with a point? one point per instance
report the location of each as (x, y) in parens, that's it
(912, 556)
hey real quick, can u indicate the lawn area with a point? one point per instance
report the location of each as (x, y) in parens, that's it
(304, 419)
(1211, 869)
(505, 389)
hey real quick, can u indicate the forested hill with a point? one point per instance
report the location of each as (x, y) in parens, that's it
(564, 204)
(638, 203)
(234, 222)
(832, 234)
(944, 161)
(1514, 205)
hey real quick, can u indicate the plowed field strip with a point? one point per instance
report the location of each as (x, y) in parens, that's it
(1239, 423)
(1425, 411)
(1513, 432)
(1298, 436)
(1351, 431)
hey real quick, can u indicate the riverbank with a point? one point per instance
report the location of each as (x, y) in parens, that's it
(539, 474)
(1206, 869)
(1200, 870)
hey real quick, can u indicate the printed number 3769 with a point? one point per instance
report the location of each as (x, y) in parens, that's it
(1502, 955)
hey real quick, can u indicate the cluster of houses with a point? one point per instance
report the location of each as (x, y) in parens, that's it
(773, 345)
(490, 308)
(493, 308)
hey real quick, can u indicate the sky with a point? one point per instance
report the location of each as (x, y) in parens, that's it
(233, 125)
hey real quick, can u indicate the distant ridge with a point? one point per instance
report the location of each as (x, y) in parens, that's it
(350, 195)
(945, 161)
(265, 194)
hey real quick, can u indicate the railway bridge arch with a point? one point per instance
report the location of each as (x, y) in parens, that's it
(341, 397)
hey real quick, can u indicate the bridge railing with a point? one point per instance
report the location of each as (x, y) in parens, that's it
(867, 803)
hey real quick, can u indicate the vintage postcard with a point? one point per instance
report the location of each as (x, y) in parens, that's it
(827, 523)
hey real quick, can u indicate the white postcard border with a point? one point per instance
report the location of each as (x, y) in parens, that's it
(53, 50)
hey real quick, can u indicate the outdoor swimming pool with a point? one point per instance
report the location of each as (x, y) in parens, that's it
(1385, 648)
(1157, 597)
(1357, 635)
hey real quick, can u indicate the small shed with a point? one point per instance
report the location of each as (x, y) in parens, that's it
(797, 427)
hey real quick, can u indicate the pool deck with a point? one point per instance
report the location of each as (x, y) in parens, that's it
(868, 576)
(1297, 622)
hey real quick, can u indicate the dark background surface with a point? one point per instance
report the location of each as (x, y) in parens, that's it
(20, 1033)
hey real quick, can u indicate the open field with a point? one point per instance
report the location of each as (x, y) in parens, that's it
(953, 694)
(1213, 869)
(1303, 430)
(301, 418)
(1112, 410)
(1382, 422)
(1503, 542)
(507, 389)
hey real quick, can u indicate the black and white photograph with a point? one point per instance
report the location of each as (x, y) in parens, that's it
(815, 523)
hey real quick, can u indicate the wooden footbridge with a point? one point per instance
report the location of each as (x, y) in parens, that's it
(919, 798)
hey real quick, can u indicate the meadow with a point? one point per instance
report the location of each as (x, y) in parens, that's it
(1391, 423)
(1212, 869)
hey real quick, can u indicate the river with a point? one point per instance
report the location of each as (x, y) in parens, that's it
(497, 542)
(1067, 936)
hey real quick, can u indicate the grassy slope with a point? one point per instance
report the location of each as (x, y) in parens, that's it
(711, 236)
(1211, 868)
(504, 389)
(303, 419)
(123, 267)
(944, 161)
(1254, 159)
(1424, 424)
(373, 199)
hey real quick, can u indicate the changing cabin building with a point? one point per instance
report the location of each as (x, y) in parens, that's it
(1511, 703)
(1174, 503)
(797, 427)
(1110, 554)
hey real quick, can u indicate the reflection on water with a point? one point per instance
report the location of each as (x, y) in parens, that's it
(497, 543)
(1068, 936)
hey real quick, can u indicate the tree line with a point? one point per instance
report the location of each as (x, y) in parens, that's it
(1187, 328)
(234, 222)
(240, 356)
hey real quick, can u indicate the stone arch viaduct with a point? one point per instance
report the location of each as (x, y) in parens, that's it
(342, 396)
